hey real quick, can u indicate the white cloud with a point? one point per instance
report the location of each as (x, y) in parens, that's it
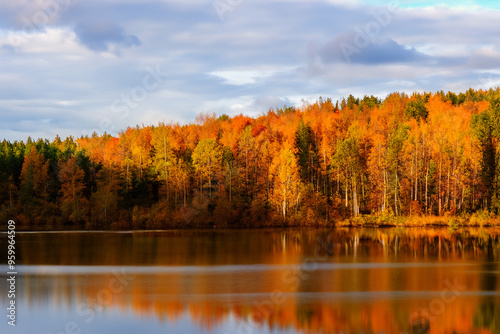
(50, 41)
(239, 77)
(244, 77)
(230, 106)
(154, 116)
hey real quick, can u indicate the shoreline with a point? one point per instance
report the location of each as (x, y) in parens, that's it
(361, 221)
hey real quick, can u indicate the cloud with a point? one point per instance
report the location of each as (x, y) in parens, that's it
(29, 16)
(263, 54)
(240, 77)
(359, 49)
(245, 77)
(485, 58)
(267, 102)
(100, 36)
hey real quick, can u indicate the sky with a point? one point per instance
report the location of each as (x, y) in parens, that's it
(72, 67)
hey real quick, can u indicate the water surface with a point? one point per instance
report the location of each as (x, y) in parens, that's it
(257, 281)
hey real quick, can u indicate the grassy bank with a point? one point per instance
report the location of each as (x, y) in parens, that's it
(477, 219)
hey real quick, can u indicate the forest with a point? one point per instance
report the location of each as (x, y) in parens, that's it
(358, 160)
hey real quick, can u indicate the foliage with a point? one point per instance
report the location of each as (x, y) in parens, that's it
(401, 160)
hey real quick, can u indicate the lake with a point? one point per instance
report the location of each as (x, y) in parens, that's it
(418, 280)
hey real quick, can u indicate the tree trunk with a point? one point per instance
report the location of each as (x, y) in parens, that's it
(416, 171)
(396, 195)
(284, 201)
(384, 205)
(355, 198)
(426, 188)
(439, 185)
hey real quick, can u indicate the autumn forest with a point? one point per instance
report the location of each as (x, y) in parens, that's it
(424, 155)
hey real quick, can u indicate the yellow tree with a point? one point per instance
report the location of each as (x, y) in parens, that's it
(180, 181)
(376, 166)
(348, 165)
(207, 161)
(163, 159)
(449, 125)
(141, 149)
(286, 180)
(410, 167)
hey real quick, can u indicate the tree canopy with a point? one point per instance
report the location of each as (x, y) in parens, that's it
(428, 153)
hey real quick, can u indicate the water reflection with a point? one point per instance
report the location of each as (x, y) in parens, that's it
(310, 281)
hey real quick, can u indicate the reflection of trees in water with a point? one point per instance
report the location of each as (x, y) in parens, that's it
(146, 293)
(254, 246)
(423, 243)
(487, 314)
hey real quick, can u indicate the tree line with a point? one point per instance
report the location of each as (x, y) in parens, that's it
(424, 154)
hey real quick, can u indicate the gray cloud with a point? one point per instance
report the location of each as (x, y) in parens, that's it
(98, 36)
(359, 49)
(484, 59)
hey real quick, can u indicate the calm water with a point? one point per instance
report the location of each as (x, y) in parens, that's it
(260, 281)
